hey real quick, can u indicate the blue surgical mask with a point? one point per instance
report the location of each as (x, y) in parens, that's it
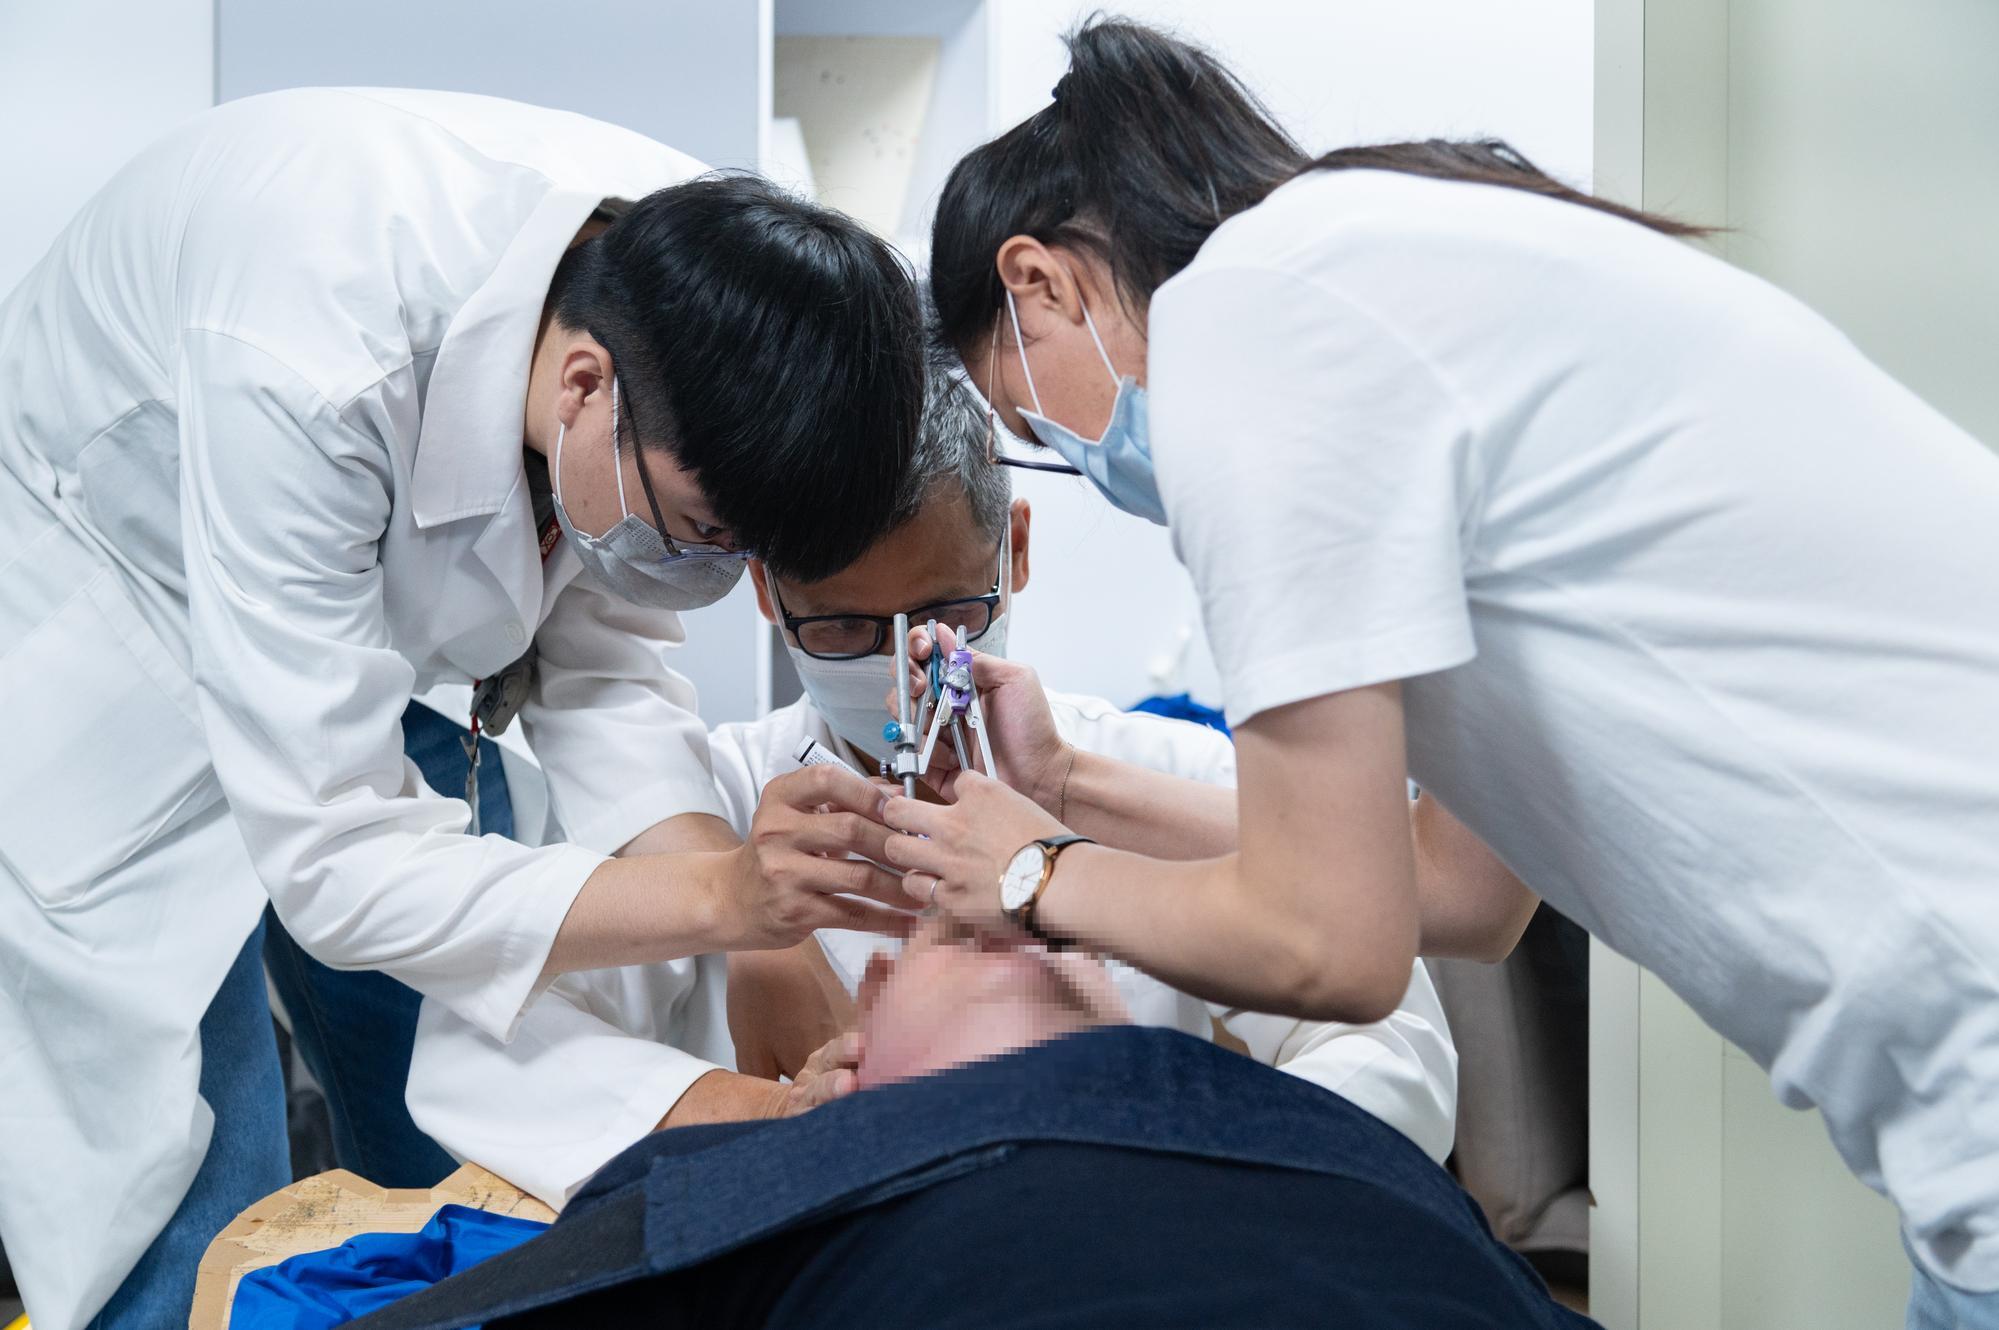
(632, 560)
(1119, 464)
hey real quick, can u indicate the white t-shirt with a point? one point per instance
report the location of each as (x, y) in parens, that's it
(1697, 608)
(603, 1054)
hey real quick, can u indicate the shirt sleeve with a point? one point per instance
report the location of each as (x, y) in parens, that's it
(301, 693)
(614, 726)
(1403, 1070)
(586, 1076)
(1313, 467)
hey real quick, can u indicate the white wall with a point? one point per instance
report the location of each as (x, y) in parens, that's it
(1108, 596)
(83, 85)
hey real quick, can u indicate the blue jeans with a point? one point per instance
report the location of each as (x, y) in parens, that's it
(355, 1028)
(1935, 1305)
(247, 1156)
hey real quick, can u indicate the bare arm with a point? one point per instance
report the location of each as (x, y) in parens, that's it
(700, 891)
(1315, 915)
(1473, 906)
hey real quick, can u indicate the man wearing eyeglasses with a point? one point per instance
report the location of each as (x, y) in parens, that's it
(603, 1058)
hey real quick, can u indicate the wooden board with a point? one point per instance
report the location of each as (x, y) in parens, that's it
(324, 1211)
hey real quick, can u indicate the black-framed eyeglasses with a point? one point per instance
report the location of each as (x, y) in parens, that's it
(854, 636)
(674, 549)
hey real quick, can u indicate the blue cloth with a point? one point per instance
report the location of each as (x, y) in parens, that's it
(247, 1158)
(1182, 706)
(355, 1028)
(1935, 1305)
(322, 1289)
(761, 1204)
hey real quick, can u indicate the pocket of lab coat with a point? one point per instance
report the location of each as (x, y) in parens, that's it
(104, 752)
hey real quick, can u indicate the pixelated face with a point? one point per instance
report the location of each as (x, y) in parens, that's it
(952, 997)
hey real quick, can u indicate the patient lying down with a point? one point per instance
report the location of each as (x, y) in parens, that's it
(1014, 1152)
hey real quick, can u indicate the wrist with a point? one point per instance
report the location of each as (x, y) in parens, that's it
(1056, 906)
(716, 896)
(1052, 787)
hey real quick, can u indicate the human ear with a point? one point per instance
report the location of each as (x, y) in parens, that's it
(1019, 520)
(1040, 282)
(764, 605)
(585, 369)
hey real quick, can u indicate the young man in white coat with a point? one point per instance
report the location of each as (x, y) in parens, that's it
(329, 397)
(603, 1058)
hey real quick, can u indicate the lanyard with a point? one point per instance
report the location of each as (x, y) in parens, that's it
(493, 707)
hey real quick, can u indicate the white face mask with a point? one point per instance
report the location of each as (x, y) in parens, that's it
(852, 695)
(634, 561)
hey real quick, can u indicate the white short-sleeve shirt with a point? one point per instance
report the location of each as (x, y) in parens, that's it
(1697, 612)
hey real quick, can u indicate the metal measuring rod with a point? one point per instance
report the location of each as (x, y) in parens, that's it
(902, 731)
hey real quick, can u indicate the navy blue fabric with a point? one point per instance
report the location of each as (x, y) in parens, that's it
(322, 1289)
(1182, 706)
(701, 1193)
(355, 1028)
(243, 1085)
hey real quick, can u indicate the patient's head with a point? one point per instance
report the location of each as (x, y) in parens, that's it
(957, 553)
(952, 998)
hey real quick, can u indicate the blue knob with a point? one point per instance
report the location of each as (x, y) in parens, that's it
(892, 732)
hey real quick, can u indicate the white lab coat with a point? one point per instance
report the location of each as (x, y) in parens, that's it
(260, 479)
(602, 1056)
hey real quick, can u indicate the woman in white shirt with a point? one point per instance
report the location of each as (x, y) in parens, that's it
(1635, 564)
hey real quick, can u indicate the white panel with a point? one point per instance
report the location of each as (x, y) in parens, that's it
(956, 119)
(1349, 71)
(1864, 178)
(83, 86)
(689, 75)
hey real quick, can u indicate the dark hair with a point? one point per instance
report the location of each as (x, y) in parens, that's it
(953, 457)
(1150, 144)
(772, 347)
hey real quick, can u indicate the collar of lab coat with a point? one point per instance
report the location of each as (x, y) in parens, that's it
(468, 454)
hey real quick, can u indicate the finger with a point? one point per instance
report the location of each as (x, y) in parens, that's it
(841, 833)
(827, 784)
(858, 877)
(919, 643)
(921, 856)
(921, 889)
(913, 816)
(866, 917)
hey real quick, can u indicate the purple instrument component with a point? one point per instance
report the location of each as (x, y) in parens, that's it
(956, 698)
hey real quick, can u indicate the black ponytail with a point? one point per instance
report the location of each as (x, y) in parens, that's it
(1150, 144)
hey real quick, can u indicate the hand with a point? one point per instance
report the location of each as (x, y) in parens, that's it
(970, 843)
(794, 874)
(831, 1073)
(1031, 754)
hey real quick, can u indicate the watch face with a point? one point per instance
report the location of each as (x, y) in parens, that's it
(1023, 875)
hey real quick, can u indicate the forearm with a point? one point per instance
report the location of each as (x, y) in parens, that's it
(1135, 808)
(1210, 929)
(1472, 904)
(659, 899)
(726, 1096)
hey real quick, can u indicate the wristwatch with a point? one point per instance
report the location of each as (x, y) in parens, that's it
(1026, 877)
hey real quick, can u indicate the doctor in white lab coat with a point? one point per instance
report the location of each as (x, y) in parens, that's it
(283, 420)
(601, 1058)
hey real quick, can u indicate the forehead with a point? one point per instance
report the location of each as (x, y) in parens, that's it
(939, 554)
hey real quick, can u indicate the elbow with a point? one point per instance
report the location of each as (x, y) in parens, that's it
(1321, 984)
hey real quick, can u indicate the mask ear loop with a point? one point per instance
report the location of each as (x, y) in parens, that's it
(618, 450)
(1091, 324)
(1013, 313)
